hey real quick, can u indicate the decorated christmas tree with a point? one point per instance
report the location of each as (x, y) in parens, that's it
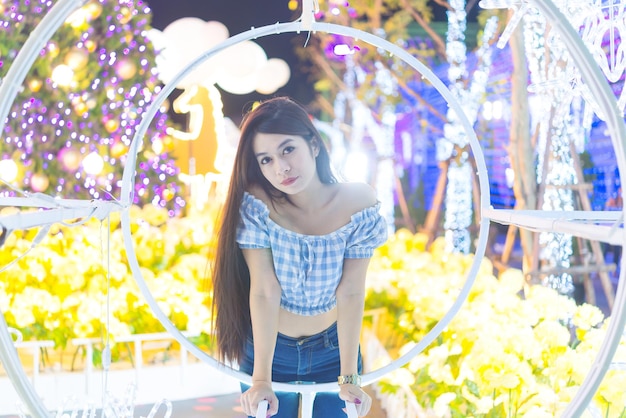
(70, 127)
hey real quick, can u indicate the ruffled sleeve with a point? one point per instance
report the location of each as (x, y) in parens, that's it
(252, 231)
(370, 232)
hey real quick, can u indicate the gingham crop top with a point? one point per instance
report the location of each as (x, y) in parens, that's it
(309, 267)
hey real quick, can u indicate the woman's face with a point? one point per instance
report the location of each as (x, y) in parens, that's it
(286, 161)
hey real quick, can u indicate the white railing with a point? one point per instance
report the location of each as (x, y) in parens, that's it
(138, 340)
(34, 347)
(89, 383)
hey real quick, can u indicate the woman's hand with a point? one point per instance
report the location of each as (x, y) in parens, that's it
(259, 391)
(356, 395)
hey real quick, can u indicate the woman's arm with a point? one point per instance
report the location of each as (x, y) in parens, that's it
(264, 308)
(350, 305)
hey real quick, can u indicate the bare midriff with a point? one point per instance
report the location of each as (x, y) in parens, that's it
(296, 326)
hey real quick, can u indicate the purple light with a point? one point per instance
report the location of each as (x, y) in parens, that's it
(37, 130)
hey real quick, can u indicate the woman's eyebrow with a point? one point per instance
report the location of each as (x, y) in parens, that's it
(282, 144)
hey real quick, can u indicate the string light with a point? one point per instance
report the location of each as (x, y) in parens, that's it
(9, 170)
(453, 145)
(555, 167)
(598, 22)
(90, 104)
(558, 89)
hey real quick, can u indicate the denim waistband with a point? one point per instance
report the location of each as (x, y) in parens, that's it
(327, 336)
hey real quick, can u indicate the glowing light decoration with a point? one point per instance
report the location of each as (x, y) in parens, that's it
(8, 170)
(607, 19)
(558, 88)
(93, 164)
(205, 152)
(493, 110)
(88, 89)
(240, 69)
(601, 25)
(343, 49)
(63, 75)
(453, 146)
(555, 168)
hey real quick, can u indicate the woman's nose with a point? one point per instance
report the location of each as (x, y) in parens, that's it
(283, 167)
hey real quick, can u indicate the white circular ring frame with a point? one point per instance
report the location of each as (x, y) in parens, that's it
(127, 194)
(584, 61)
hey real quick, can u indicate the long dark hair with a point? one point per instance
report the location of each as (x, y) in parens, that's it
(231, 277)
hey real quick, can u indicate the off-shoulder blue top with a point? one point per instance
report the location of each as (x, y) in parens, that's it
(309, 267)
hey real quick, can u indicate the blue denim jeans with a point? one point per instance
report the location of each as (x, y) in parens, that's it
(313, 359)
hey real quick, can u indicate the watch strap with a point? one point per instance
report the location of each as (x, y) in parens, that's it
(351, 379)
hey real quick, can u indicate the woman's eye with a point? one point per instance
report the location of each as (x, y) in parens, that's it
(288, 150)
(264, 160)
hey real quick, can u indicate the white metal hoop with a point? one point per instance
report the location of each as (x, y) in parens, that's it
(254, 33)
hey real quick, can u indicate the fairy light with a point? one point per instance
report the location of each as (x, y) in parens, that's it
(598, 22)
(546, 64)
(88, 114)
(458, 208)
(63, 75)
(562, 86)
(453, 145)
(93, 164)
(8, 170)
(343, 49)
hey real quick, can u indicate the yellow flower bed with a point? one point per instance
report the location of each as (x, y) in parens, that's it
(512, 351)
(71, 286)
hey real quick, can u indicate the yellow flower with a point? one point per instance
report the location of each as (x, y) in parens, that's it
(587, 316)
(84, 328)
(512, 279)
(482, 404)
(438, 247)
(440, 370)
(442, 403)
(4, 297)
(549, 304)
(420, 240)
(22, 315)
(154, 215)
(611, 394)
(400, 377)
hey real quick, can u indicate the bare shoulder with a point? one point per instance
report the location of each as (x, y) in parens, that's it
(357, 196)
(259, 193)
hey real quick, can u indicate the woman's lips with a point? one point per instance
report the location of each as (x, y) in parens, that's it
(289, 181)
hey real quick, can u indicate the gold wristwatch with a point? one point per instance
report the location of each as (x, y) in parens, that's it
(352, 379)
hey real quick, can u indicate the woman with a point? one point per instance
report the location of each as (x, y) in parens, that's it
(289, 273)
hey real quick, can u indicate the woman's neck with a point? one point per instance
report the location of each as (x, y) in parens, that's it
(314, 198)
